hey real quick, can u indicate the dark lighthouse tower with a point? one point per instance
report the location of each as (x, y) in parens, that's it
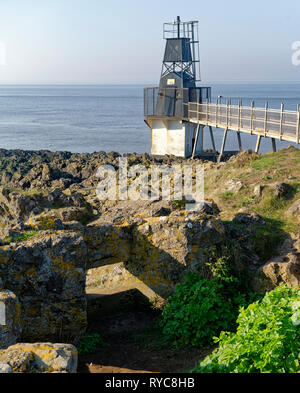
(166, 107)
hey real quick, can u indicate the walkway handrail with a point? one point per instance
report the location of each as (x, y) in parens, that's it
(275, 123)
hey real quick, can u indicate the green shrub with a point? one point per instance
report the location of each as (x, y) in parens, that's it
(267, 338)
(89, 343)
(198, 310)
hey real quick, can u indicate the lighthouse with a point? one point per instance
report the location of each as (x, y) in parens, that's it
(166, 106)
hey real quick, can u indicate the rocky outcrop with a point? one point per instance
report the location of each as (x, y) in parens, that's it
(294, 210)
(17, 207)
(5, 368)
(157, 249)
(47, 273)
(233, 185)
(54, 228)
(10, 329)
(282, 190)
(284, 269)
(164, 249)
(48, 276)
(249, 219)
(39, 358)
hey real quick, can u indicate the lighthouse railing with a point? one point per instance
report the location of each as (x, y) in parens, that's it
(275, 123)
(170, 102)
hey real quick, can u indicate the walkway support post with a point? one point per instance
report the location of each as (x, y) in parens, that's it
(196, 141)
(258, 143)
(223, 144)
(212, 138)
(240, 115)
(239, 141)
(207, 112)
(281, 121)
(252, 117)
(266, 118)
(274, 145)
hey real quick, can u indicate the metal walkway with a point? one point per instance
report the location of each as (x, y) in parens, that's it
(279, 124)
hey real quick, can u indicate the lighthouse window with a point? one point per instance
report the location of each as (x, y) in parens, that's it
(171, 82)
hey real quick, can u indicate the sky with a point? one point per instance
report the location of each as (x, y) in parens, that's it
(120, 41)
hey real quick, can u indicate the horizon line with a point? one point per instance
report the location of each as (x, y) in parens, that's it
(141, 83)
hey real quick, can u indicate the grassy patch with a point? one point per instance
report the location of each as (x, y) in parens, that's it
(228, 195)
(271, 205)
(267, 238)
(264, 162)
(267, 178)
(247, 200)
(25, 236)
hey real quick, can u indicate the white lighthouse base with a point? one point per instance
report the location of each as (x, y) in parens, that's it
(173, 137)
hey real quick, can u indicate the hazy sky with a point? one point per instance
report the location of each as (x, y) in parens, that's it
(120, 41)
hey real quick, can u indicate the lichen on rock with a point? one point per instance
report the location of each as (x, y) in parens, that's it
(10, 329)
(40, 358)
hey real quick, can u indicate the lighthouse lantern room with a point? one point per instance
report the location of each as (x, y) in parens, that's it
(166, 106)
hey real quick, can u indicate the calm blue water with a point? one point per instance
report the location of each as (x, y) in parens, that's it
(107, 118)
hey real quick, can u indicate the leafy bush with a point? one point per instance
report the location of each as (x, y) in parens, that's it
(267, 338)
(198, 310)
(89, 343)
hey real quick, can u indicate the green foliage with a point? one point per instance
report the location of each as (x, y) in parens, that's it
(267, 178)
(267, 338)
(25, 236)
(247, 200)
(196, 312)
(178, 204)
(228, 195)
(200, 308)
(264, 161)
(89, 343)
(270, 205)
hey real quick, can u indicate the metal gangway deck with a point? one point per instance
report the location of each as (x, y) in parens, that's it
(280, 124)
(194, 105)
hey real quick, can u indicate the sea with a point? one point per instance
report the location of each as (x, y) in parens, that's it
(91, 118)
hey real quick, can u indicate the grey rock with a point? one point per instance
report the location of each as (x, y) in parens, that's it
(41, 358)
(282, 190)
(234, 185)
(249, 219)
(48, 276)
(5, 368)
(258, 190)
(10, 329)
(295, 209)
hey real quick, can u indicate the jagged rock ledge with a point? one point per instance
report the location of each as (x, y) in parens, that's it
(54, 230)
